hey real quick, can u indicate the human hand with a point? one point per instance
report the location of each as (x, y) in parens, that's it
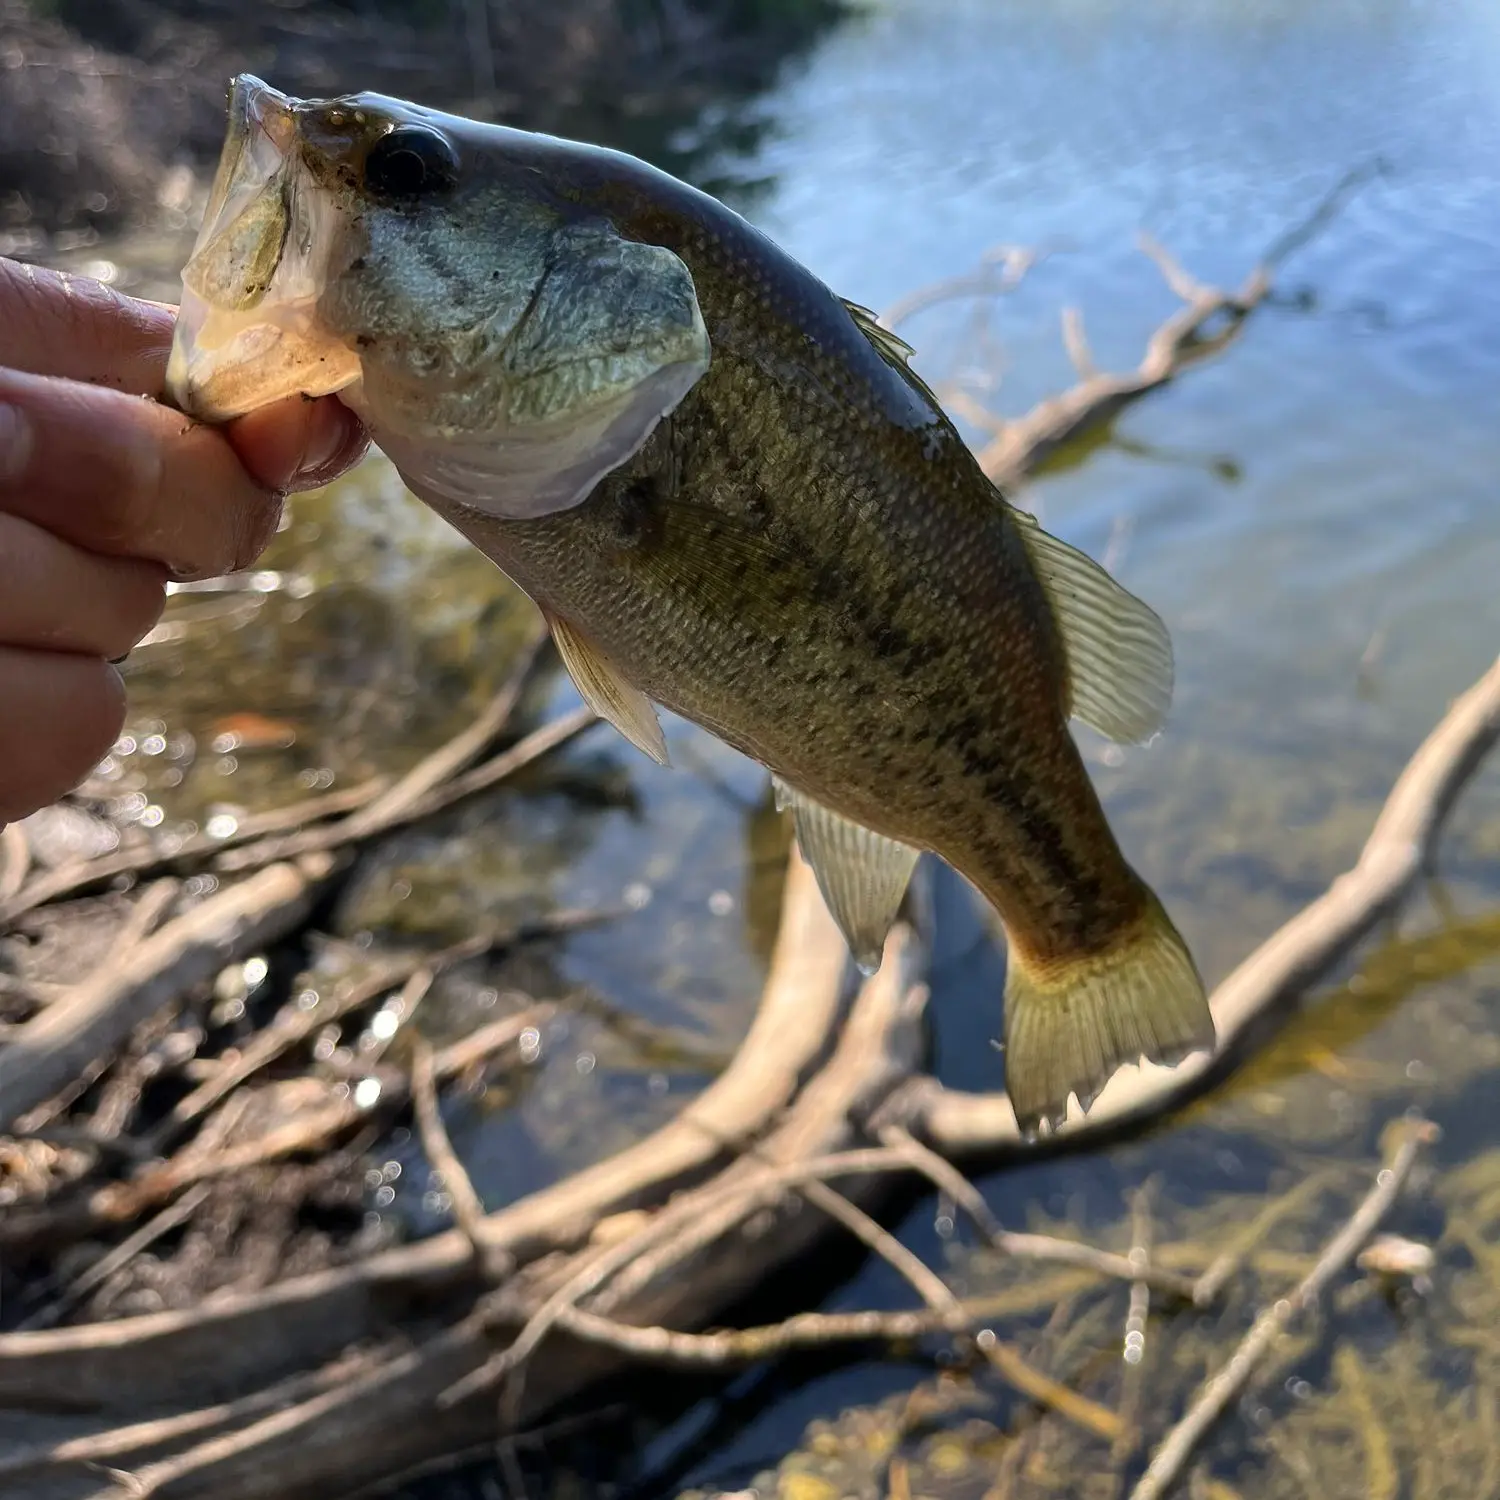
(104, 496)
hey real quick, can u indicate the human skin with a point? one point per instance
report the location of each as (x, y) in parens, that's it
(104, 498)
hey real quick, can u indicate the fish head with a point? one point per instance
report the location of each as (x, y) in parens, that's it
(470, 290)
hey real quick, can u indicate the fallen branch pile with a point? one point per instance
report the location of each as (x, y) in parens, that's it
(319, 1384)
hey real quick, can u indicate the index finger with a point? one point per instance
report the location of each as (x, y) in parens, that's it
(55, 324)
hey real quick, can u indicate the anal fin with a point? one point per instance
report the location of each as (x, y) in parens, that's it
(606, 692)
(862, 874)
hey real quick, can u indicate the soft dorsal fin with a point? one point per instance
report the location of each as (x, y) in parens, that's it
(1119, 653)
(607, 693)
(891, 347)
(862, 874)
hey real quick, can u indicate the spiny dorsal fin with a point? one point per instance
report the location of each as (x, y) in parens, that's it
(892, 348)
(607, 693)
(1119, 653)
(862, 874)
(892, 345)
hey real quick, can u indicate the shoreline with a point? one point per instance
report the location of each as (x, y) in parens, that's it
(112, 111)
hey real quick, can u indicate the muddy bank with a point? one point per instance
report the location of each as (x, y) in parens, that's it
(111, 111)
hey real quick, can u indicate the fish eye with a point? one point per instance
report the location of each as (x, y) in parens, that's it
(410, 162)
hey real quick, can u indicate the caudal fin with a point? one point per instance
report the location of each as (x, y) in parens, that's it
(1068, 1027)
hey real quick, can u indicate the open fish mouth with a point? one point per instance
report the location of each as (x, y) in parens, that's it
(247, 333)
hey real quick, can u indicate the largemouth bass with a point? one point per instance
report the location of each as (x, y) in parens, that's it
(730, 496)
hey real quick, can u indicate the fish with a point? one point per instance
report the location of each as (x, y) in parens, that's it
(731, 496)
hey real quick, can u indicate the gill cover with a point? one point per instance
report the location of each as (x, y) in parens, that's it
(610, 343)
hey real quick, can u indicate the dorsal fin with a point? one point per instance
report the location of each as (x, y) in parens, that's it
(1119, 653)
(891, 347)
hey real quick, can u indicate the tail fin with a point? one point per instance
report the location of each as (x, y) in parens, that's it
(1068, 1027)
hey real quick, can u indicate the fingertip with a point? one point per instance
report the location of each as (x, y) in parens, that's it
(336, 442)
(115, 701)
(63, 713)
(298, 444)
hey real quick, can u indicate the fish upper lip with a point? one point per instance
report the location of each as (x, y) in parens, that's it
(256, 106)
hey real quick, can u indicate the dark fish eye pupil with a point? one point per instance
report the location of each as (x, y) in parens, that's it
(410, 163)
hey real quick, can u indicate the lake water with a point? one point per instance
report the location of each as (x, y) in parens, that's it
(1314, 513)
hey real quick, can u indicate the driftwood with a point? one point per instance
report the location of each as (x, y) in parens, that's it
(234, 922)
(309, 1386)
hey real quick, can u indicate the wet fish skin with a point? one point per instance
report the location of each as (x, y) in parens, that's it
(801, 554)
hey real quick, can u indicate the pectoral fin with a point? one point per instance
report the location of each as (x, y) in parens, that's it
(862, 874)
(1119, 652)
(607, 693)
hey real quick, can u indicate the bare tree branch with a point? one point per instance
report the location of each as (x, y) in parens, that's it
(1024, 443)
(468, 1207)
(1172, 1456)
(43, 1055)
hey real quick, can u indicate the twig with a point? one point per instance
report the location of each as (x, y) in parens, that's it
(1179, 283)
(84, 875)
(294, 1025)
(1026, 442)
(1216, 1275)
(114, 1260)
(1290, 962)
(1176, 1451)
(927, 1284)
(1001, 270)
(391, 812)
(468, 1208)
(1136, 1315)
(948, 1179)
(99, 1014)
(737, 1346)
(119, 1202)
